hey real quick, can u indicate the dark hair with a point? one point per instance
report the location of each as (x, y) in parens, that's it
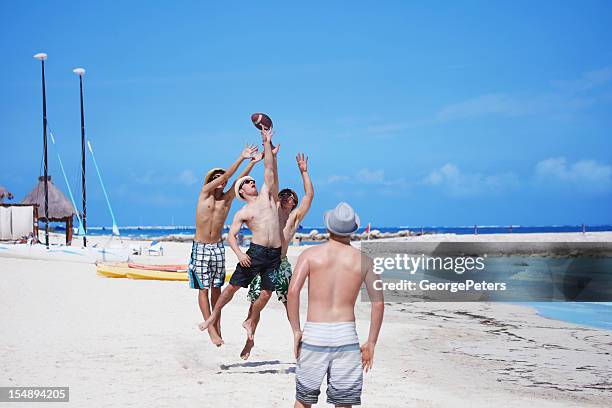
(285, 191)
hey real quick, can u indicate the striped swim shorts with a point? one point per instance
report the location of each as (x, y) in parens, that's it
(207, 265)
(332, 349)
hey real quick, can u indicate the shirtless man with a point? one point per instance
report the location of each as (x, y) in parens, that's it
(260, 214)
(207, 264)
(329, 343)
(289, 216)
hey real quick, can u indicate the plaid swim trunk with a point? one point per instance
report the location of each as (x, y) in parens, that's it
(207, 265)
(281, 278)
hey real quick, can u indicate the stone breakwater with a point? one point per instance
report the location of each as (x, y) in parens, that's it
(313, 235)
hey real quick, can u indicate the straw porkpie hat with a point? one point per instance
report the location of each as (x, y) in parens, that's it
(342, 220)
(238, 186)
(211, 173)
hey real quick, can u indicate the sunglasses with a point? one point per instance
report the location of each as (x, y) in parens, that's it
(248, 182)
(285, 196)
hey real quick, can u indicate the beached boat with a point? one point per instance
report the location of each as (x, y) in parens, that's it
(166, 268)
(64, 253)
(121, 270)
(124, 271)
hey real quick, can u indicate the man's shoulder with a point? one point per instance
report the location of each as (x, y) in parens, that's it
(311, 251)
(203, 194)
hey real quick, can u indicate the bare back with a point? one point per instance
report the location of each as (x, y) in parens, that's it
(211, 214)
(334, 280)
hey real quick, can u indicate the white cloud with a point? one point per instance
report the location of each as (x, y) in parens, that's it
(187, 178)
(457, 183)
(370, 176)
(153, 178)
(367, 177)
(589, 80)
(585, 174)
(335, 178)
(482, 105)
(563, 99)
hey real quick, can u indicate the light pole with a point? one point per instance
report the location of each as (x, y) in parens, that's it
(81, 72)
(42, 57)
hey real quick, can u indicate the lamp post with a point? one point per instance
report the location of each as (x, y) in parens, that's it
(81, 72)
(42, 58)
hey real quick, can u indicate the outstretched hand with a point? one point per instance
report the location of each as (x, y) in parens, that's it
(266, 135)
(257, 157)
(302, 162)
(249, 151)
(275, 149)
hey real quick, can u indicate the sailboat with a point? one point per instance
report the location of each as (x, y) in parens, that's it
(47, 252)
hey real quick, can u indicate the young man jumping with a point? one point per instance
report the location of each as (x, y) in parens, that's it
(262, 258)
(290, 215)
(207, 264)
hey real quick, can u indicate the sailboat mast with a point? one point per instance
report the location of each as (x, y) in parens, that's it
(42, 57)
(83, 161)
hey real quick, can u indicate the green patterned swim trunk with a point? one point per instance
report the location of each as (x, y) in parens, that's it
(281, 278)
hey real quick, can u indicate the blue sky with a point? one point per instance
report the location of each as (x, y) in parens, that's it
(416, 113)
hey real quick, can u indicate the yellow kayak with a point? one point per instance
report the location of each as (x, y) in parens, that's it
(112, 271)
(158, 275)
(123, 271)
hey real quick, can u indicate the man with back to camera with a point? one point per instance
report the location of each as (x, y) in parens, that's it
(329, 343)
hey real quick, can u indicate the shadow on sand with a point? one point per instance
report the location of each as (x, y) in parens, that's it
(225, 368)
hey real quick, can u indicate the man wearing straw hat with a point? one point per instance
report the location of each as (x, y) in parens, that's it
(263, 257)
(329, 344)
(207, 264)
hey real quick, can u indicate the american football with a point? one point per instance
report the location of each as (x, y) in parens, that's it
(261, 121)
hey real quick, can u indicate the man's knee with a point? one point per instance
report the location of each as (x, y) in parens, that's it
(233, 288)
(265, 295)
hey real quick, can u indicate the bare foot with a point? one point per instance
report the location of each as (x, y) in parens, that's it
(214, 336)
(246, 351)
(248, 326)
(203, 326)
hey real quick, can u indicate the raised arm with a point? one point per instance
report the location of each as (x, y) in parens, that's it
(302, 269)
(231, 193)
(237, 222)
(302, 162)
(376, 314)
(268, 186)
(274, 192)
(247, 152)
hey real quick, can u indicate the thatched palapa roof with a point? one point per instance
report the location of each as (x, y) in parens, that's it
(59, 205)
(4, 193)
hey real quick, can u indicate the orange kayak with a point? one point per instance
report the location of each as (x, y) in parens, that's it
(165, 268)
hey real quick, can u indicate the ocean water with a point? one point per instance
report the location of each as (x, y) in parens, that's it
(157, 231)
(592, 314)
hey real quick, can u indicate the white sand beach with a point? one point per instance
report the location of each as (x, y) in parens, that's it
(134, 343)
